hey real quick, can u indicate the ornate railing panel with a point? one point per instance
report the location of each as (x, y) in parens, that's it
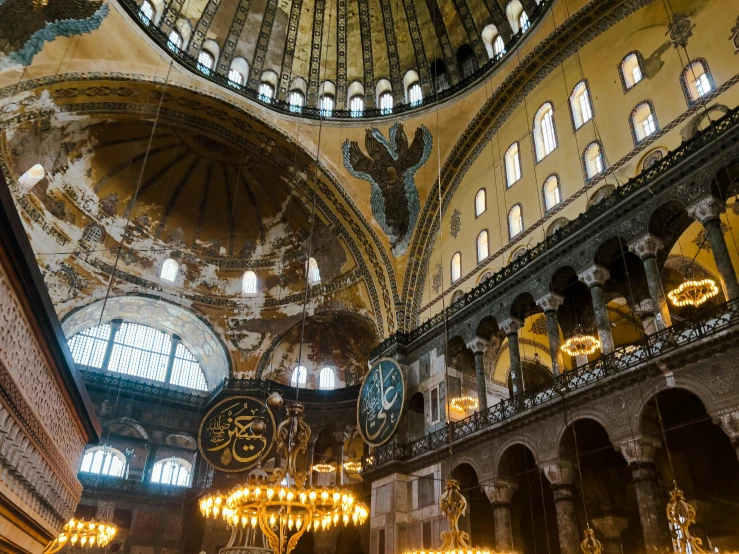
(115, 484)
(126, 383)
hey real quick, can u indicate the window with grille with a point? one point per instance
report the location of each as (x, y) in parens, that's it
(456, 266)
(266, 91)
(552, 195)
(697, 81)
(515, 221)
(146, 12)
(104, 460)
(174, 41)
(386, 103)
(299, 376)
(631, 72)
(582, 111)
(170, 268)
(327, 105)
(88, 347)
(206, 61)
(356, 106)
(172, 471)
(523, 22)
(415, 94)
(327, 379)
(482, 246)
(235, 78)
(643, 121)
(544, 137)
(512, 164)
(249, 283)
(498, 46)
(140, 351)
(480, 202)
(593, 160)
(314, 275)
(296, 101)
(186, 370)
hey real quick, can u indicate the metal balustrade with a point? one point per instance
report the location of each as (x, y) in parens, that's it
(131, 486)
(703, 325)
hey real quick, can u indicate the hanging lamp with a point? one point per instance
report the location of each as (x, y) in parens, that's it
(693, 292)
(81, 533)
(580, 345)
(464, 404)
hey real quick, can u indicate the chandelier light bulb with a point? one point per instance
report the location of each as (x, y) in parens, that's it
(693, 293)
(580, 345)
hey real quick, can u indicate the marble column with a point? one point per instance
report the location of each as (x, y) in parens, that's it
(562, 478)
(511, 327)
(646, 247)
(644, 311)
(708, 211)
(500, 495)
(729, 422)
(479, 347)
(594, 277)
(550, 303)
(340, 437)
(640, 454)
(611, 528)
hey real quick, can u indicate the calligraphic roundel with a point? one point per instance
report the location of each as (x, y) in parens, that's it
(225, 437)
(381, 401)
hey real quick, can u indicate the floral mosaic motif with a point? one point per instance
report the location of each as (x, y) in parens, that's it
(456, 223)
(680, 30)
(652, 158)
(26, 25)
(734, 38)
(539, 326)
(390, 166)
(700, 239)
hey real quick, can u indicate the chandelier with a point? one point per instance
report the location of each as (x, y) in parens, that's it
(693, 293)
(464, 404)
(353, 467)
(453, 505)
(79, 532)
(580, 345)
(281, 505)
(323, 468)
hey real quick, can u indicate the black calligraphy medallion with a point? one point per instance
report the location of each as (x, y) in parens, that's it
(225, 438)
(381, 401)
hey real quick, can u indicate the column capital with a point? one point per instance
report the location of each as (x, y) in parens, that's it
(559, 473)
(550, 302)
(594, 275)
(706, 208)
(728, 420)
(478, 345)
(510, 326)
(639, 450)
(645, 246)
(645, 308)
(611, 526)
(500, 492)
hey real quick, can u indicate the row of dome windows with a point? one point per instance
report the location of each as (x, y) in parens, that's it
(326, 378)
(111, 462)
(696, 81)
(249, 284)
(239, 69)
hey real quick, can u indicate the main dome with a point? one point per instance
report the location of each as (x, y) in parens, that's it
(332, 58)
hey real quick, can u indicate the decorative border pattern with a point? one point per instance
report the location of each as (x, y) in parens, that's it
(392, 52)
(341, 45)
(422, 62)
(450, 58)
(471, 29)
(365, 29)
(315, 52)
(290, 42)
(201, 27)
(260, 52)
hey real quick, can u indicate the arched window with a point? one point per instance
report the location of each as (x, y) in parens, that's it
(514, 12)
(643, 121)
(593, 160)
(299, 377)
(327, 379)
(512, 164)
(296, 99)
(415, 94)
(493, 42)
(238, 72)
(314, 275)
(31, 177)
(456, 266)
(266, 92)
(498, 46)
(483, 250)
(139, 351)
(146, 12)
(480, 202)
(582, 109)
(523, 22)
(327, 105)
(386, 103)
(551, 193)
(466, 61)
(104, 460)
(515, 221)
(545, 139)
(696, 81)
(440, 75)
(172, 471)
(174, 41)
(235, 78)
(94, 233)
(356, 105)
(169, 271)
(206, 61)
(631, 70)
(249, 283)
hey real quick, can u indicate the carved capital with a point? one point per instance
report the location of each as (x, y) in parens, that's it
(478, 346)
(729, 422)
(639, 450)
(550, 302)
(594, 275)
(500, 492)
(646, 246)
(559, 473)
(706, 209)
(611, 526)
(510, 326)
(645, 308)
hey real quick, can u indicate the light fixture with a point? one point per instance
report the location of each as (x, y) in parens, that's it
(81, 533)
(453, 505)
(464, 404)
(281, 505)
(353, 467)
(580, 345)
(680, 516)
(323, 468)
(693, 293)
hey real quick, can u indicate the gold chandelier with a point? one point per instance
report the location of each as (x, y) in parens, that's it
(453, 505)
(281, 505)
(323, 468)
(79, 532)
(353, 467)
(464, 404)
(693, 293)
(580, 345)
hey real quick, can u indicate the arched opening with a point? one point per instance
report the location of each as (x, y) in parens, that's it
(416, 416)
(476, 520)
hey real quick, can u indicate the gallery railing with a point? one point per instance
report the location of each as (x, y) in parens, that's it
(91, 482)
(702, 325)
(702, 139)
(126, 383)
(191, 63)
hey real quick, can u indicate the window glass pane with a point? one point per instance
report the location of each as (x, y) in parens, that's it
(146, 12)
(235, 78)
(547, 130)
(205, 62)
(636, 73)
(386, 103)
(327, 378)
(105, 461)
(585, 110)
(296, 100)
(174, 42)
(140, 351)
(186, 371)
(480, 202)
(173, 471)
(356, 105)
(265, 92)
(415, 94)
(88, 347)
(299, 377)
(523, 21)
(327, 105)
(499, 46)
(249, 283)
(169, 270)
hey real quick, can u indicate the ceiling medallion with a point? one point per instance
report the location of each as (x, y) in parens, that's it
(693, 293)
(580, 345)
(83, 533)
(281, 505)
(464, 404)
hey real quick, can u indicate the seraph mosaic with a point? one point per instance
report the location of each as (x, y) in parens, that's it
(25, 25)
(390, 167)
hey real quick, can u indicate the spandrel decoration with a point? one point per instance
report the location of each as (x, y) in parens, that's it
(229, 437)
(381, 401)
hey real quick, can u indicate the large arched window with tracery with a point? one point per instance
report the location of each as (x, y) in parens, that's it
(172, 471)
(104, 460)
(138, 351)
